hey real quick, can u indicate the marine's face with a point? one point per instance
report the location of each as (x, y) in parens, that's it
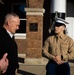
(59, 29)
(14, 24)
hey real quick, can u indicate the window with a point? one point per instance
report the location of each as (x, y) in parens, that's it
(18, 8)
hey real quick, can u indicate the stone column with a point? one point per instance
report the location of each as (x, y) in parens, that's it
(58, 6)
(34, 3)
(34, 32)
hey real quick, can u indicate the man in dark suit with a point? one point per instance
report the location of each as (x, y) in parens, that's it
(8, 44)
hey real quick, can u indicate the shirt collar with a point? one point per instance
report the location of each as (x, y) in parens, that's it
(10, 34)
(61, 36)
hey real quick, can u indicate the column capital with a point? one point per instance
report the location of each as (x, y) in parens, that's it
(34, 11)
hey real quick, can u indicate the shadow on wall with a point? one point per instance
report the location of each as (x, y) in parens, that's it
(72, 61)
(24, 72)
(21, 60)
(46, 19)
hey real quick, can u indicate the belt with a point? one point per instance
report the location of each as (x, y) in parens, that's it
(52, 61)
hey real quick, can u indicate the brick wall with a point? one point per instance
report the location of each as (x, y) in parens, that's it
(35, 3)
(21, 43)
(32, 45)
(34, 38)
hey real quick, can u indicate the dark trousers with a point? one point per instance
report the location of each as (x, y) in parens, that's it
(9, 72)
(54, 69)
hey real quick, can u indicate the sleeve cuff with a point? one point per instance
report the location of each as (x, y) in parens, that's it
(64, 57)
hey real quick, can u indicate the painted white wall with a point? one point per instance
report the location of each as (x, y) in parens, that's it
(70, 26)
(58, 5)
(20, 36)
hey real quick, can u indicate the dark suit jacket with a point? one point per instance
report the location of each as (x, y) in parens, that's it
(7, 44)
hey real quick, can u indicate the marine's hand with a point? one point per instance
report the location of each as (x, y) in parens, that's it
(54, 58)
(58, 58)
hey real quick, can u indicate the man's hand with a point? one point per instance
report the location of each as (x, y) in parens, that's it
(4, 63)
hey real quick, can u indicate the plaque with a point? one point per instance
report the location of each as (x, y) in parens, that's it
(33, 26)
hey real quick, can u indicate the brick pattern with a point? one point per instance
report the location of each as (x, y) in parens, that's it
(32, 45)
(34, 38)
(21, 43)
(36, 3)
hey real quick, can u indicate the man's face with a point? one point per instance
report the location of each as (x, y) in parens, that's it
(59, 29)
(14, 24)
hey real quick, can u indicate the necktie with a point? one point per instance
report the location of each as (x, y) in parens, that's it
(13, 37)
(56, 38)
(57, 45)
